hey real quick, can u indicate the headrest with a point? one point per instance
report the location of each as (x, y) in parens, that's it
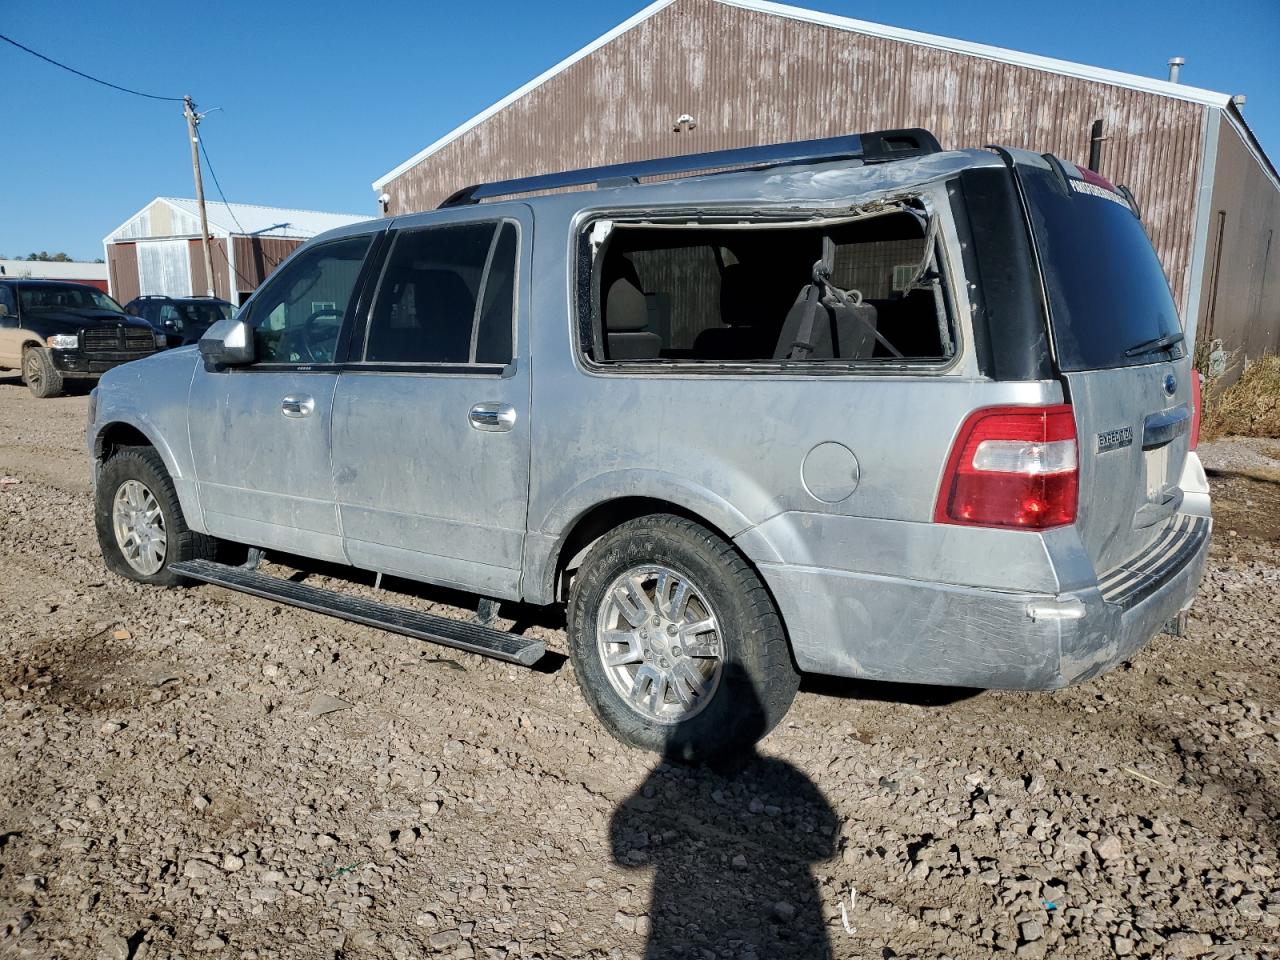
(625, 308)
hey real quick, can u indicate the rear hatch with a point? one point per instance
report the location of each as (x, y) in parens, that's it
(1117, 345)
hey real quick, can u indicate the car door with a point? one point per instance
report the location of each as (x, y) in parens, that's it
(431, 417)
(10, 347)
(260, 433)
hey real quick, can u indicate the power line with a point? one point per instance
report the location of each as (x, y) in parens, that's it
(227, 203)
(209, 163)
(79, 73)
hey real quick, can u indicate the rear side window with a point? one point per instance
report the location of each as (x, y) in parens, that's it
(1107, 293)
(686, 293)
(446, 296)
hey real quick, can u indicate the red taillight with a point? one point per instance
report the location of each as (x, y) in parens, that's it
(1195, 408)
(1012, 467)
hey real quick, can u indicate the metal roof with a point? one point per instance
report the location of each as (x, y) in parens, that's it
(52, 270)
(1065, 67)
(242, 219)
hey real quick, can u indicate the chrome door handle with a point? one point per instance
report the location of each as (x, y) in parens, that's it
(297, 405)
(493, 417)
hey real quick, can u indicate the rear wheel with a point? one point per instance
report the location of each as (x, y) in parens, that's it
(676, 643)
(41, 376)
(139, 521)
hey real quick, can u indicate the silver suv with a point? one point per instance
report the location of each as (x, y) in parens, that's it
(858, 406)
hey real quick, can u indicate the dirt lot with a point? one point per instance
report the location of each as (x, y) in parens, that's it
(169, 788)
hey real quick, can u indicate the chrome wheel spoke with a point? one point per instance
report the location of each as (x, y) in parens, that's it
(709, 648)
(673, 596)
(631, 603)
(689, 684)
(643, 682)
(632, 651)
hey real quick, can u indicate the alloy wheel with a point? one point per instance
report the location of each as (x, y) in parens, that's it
(139, 527)
(659, 641)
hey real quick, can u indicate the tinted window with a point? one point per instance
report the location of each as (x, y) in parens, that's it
(202, 313)
(493, 333)
(297, 316)
(446, 297)
(1106, 289)
(6, 301)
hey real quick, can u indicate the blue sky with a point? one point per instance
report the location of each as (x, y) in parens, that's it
(319, 99)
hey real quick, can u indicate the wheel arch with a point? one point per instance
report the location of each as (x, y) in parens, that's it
(119, 431)
(130, 431)
(594, 520)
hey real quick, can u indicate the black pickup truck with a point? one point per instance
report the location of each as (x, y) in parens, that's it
(54, 331)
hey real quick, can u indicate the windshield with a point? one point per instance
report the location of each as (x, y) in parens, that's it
(1106, 290)
(203, 314)
(65, 297)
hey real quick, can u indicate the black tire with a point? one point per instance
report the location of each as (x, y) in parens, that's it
(758, 679)
(144, 465)
(43, 379)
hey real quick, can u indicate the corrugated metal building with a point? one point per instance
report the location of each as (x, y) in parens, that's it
(74, 271)
(157, 250)
(752, 72)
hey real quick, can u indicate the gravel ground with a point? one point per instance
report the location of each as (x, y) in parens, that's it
(171, 784)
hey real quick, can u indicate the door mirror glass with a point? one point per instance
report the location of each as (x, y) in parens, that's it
(228, 343)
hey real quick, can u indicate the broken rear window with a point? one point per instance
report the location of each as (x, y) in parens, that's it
(744, 293)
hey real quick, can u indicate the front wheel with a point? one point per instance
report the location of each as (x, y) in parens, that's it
(43, 379)
(676, 643)
(139, 521)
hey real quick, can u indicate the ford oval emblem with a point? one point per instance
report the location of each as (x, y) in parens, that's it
(1170, 384)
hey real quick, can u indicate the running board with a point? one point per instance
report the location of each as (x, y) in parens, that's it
(459, 634)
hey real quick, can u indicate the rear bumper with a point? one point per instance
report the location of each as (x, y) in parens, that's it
(888, 628)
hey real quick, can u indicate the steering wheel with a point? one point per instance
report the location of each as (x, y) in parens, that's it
(320, 338)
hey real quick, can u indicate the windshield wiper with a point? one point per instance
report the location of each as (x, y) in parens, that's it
(1159, 343)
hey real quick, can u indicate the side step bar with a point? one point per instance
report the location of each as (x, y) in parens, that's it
(459, 634)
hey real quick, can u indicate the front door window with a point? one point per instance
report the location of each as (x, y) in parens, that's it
(297, 316)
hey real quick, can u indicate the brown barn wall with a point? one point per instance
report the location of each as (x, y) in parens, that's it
(218, 254)
(749, 78)
(1240, 295)
(256, 257)
(122, 268)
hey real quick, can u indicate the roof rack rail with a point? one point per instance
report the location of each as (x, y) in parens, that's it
(875, 147)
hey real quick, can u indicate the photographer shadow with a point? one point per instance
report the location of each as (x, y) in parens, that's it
(731, 851)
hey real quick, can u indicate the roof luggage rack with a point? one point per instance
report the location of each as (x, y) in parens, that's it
(876, 147)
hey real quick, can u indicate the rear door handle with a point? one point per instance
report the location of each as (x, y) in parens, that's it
(493, 417)
(297, 405)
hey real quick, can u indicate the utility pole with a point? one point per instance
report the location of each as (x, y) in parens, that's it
(189, 111)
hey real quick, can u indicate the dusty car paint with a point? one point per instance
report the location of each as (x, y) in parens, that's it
(387, 476)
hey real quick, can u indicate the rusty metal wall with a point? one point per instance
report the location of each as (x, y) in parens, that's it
(1240, 296)
(256, 257)
(122, 269)
(750, 78)
(218, 254)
